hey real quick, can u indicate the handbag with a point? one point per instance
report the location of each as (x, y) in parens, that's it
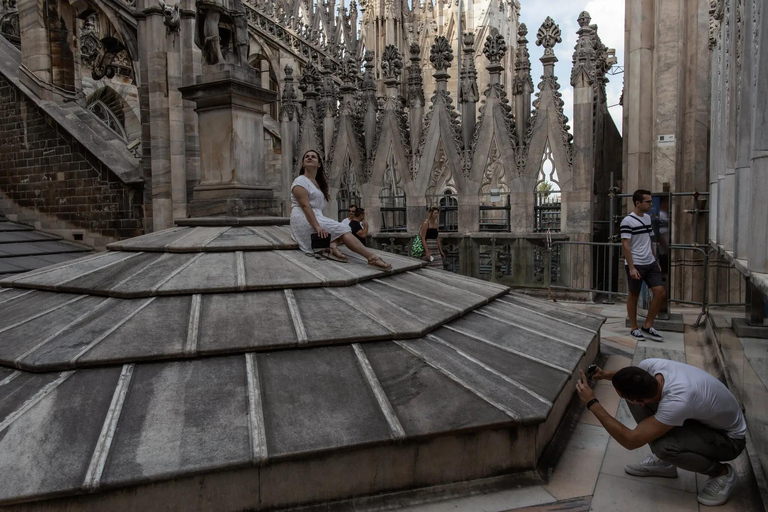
(417, 247)
(320, 243)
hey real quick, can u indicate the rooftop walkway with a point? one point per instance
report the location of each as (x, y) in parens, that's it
(589, 474)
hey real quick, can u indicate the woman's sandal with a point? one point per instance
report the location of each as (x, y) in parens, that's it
(338, 256)
(378, 263)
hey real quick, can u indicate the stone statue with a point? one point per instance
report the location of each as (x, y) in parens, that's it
(213, 16)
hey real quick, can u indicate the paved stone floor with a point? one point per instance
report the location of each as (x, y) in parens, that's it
(589, 474)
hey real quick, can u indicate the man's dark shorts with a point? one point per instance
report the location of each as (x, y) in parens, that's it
(648, 273)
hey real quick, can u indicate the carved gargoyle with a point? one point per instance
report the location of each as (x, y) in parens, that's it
(171, 16)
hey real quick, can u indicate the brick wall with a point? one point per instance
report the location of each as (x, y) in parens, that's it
(45, 169)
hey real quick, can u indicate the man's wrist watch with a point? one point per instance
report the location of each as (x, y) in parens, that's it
(592, 402)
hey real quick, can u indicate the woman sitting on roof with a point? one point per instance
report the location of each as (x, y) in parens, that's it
(309, 195)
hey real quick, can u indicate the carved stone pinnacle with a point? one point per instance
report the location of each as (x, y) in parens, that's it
(441, 54)
(548, 34)
(495, 47)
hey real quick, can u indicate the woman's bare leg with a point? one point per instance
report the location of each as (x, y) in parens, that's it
(356, 245)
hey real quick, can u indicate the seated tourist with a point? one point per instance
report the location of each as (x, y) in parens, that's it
(309, 195)
(358, 225)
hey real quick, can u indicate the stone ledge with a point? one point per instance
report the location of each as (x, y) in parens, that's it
(758, 279)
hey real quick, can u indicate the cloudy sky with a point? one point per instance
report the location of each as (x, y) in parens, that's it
(609, 17)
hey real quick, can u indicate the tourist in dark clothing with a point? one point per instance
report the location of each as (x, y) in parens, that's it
(358, 225)
(433, 247)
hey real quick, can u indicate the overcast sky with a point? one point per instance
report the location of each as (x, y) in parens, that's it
(609, 17)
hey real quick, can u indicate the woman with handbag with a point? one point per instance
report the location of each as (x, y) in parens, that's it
(433, 247)
(309, 195)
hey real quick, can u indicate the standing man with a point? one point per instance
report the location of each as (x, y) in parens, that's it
(688, 417)
(641, 265)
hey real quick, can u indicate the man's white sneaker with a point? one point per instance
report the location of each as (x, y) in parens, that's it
(651, 334)
(651, 466)
(717, 489)
(637, 334)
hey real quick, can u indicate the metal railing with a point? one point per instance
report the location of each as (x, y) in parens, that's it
(547, 211)
(605, 277)
(448, 221)
(495, 215)
(393, 214)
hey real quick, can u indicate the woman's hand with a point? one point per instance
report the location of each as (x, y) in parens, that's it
(322, 233)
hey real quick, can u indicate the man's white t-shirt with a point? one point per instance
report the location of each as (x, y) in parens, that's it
(638, 230)
(692, 394)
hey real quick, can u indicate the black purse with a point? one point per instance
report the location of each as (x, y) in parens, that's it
(320, 243)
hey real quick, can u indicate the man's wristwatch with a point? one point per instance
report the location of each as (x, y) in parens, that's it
(592, 402)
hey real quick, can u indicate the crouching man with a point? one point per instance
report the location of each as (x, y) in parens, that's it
(689, 419)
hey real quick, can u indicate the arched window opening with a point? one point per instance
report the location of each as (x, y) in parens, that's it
(392, 199)
(107, 116)
(494, 196)
(348, 193)
(547, 199)
(442, 193)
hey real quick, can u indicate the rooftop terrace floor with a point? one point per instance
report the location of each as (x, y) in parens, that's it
(589, 474)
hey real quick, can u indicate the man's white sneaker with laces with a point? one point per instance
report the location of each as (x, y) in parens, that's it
(651, 466)
(717, 489)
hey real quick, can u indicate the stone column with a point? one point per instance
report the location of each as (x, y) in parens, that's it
(415, 97)
(370, 105)
(47, 48)
(522, 85)
(162, 114)
(578, 201)
(327, 109)
(230, 110)
(744, 117)
(638, 93)
(289, 133)
(468, 95)
(191, 66)
(758, 241)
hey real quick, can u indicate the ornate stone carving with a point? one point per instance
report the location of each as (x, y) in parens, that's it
(441, 54)
(369, 84)
(171, 16)
(9, 22)
(214, 16)
(310, 80)
(415, 81)
(468, 91)
(715, 16)
(391, 63)
(495, 47)
(522, 63)
(288, 104)
(349, 71)
(548, 35)
(584, 55)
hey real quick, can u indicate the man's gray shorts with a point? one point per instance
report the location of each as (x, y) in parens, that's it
(648, 273)
(694, 446)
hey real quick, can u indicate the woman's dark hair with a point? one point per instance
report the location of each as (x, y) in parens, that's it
(322, 183)
(635, 383)
(432, 209)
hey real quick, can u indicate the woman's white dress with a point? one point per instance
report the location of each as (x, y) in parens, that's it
(301, 229)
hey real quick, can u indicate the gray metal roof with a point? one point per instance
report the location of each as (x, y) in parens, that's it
(22, 248)
(229, 356)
